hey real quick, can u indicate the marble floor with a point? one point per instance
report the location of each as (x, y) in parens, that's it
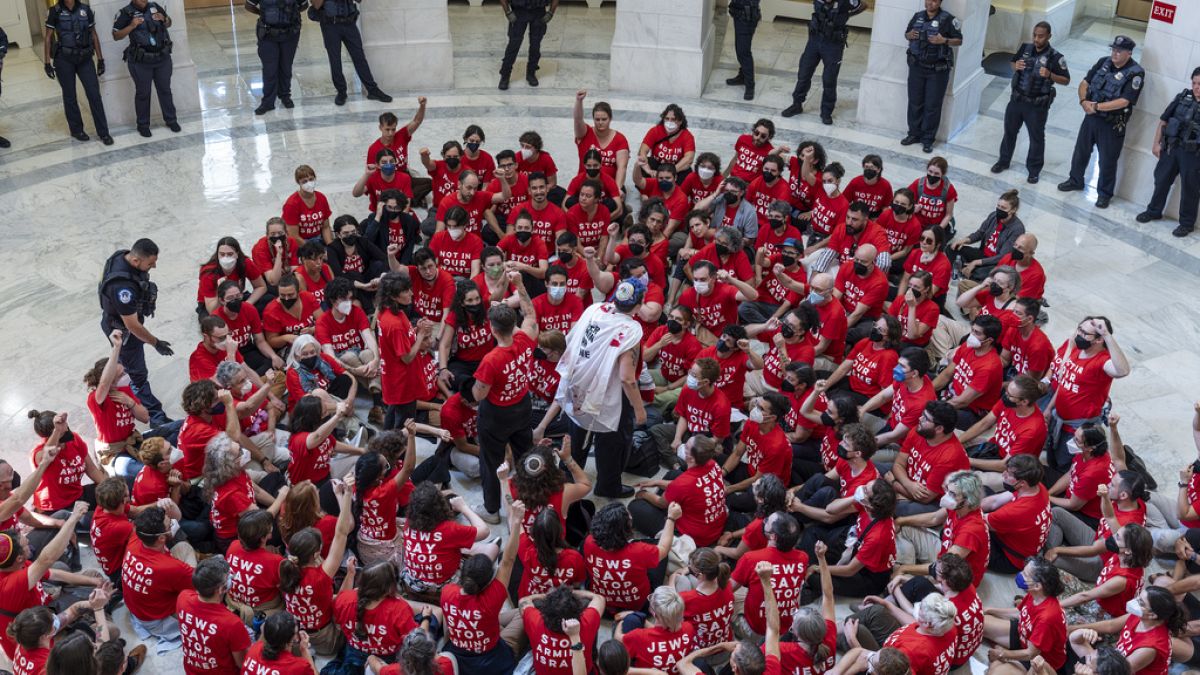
(66, 205)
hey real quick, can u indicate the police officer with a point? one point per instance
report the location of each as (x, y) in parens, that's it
(70, 42)
(745, 14)
(930, 34)
(827, 35)
(1107, 96)
(149, 58)
(278, 32)
(1037, 67)
(1177, 147)
(127, 297)
(3, 52)
(339, 26)
(522, 14)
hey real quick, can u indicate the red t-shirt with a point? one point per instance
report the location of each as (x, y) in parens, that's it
(1033, 278)
(30, 662)
(654, 258)
(870, 290)
(608, 164)
(1022, 525)
(376, 184)
(771, 290)
(770, 241)
(899, 234)
(877, 197)
(434, 556)
(674, 359)
(16, 596)
(307, 218)
(1032, 354)
(788, 579)
(796, 660)
(386, 624)
(1087, 475)
(286, 663)
(983, 373)
(871, 368)
(481, 201)
(263, 255)
(833, 328)
(1044, 626)
(315, 285)
(695, 189)
(312, 603)
(114, 422)
(569, 569)
(668, 151)
(1015, 435)
(848, 482)
(588, 228)
(712, 615)
(748, 157)
(927, 314)
(802, 351)
(473, 621)
(543, 163)
(244, 326)
(732, 381)
(608, 186)
(546, 222)
(804, 193)
(151, 581)
(398, 379)
(202, 364)
(828, 213)
(1081, 383)
(700, 491)
(931, 204)
(704, 415)
(927, 654)
(211, 276)
(345, 334)
(968, 624)
(149, 486)
(276, 319)
(211, 634)
(473, 341)
(657, 647)
(379, 509)
(1157, 639)
(506, 370)
(230, 500)
(253, 575)
(295, 387)
(845, 244)
(110, 533)
(620, 576)
(194, 435)
(62, 483)
(969, 532)
(930, 464)
(1134, 579)
(908, 406)
(453, 256)
(445, 181)
(715, 310)
(531, 253)
(761, 196)
(552, 650)
(877, 551)
(938, 267)
(431, 298)
(557, 317)
(767, 453)
(736, 263)
(484, 165)
(399, 146)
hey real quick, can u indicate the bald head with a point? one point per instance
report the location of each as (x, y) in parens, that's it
(1024, 247)
(822, 282)
(864, 257)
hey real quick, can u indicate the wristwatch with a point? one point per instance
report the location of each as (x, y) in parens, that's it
(577, 647)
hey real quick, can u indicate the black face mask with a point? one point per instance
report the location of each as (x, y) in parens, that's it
(674, 327)
(827, 419)
(566, 257)
(452, 163)
(1009, 487)
(722, 249)
(288, 302)
(870, 174)
(1082, 342)
(787, 386)
(524, 237)
(995, 290)
(1001, 215)
(68, 436)
(787, 331)
(899, 210)
(860, 269)
(474, 310)
(932, 179)
(875, 335)
(778, 223)
(539, 354)
(769, 176)
(234, 306)
(843, 452)
(1110, 544)
(309, 362)
(731, 197)
(592, 173)
(637, 249)
(215, 410)
(1017, 255)
(277, 239)
(787, 260)
(350, 240)
(1007, 400)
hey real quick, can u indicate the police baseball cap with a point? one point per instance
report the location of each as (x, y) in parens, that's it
(629, 293)
(791, 242)
(1123, 42)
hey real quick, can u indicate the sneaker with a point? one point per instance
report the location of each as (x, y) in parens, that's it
(793, 110)
(908, 140)
(174, 126)
(134, 659)
(263, 109)
(487, 516)
(736, 81)
(1102, 202)
(1146, 216)
(999, 167)
(1033, 179)
(503, 84)
(340, 98)
(1182, 231)
(1069, 185)
(287, 102)
(377, 94)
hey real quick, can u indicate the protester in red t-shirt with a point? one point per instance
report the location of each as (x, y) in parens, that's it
(870, 188)
(1027, 350)
(476, 203)
(215, 640)
(1041, 625)
(702, 408)
(1143, 636)
(906, 397)
(61, 484)
(936, 197)
(152, 579)
(275, 252)
(1077, 490)
(216, 347)
(929, 641)
(111, 528)
(546, 619)
(434, 543)
(929, 453)
(790, 570)
(975, 376)
(762, 449)
(699, 490)
(306, 576)
(229, 263)
(396, 138)
(916, 310)
(869, 365)
(713, 299)
(467, 337)
(1083, 371)
(307, 211)
(709, 605)
(751, 149)
(254, 570)
(273, 653)
(382, 173)
(620, 568)
(293, 313)
(1020, 427)
(113, 406)
(548, 561)
(861, 288)
(663, 638)
(374, 618)
(1019, 520)
(874, 545)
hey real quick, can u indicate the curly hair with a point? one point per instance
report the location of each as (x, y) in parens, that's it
(301, 509)
(537, 478)
(199, 397)
(882, 500)
(392, 444)
(612, 527)
(428, 508)
(559, 605)
(770, 495)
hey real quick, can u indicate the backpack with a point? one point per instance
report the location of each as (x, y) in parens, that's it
(643, 455)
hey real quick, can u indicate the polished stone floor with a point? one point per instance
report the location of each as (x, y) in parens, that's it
(66, 205)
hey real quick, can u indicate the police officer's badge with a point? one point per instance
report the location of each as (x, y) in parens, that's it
(125, 296)
(1137, 83)
(957, 24)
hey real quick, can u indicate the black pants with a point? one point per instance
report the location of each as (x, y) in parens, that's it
(69, 69)
(524, 18)
(743, 40)
(334, 35)
(926, 89)
(132, 357)
(858, 585)
(612, 451)
(1033, 118)
(396, 415)
(1099, 133)
(255, 359)
(997, 561)
(829, 54)
(277, 56)
(501, 426)
(1171, 163)
(159, 73)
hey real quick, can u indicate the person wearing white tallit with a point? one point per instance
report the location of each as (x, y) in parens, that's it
(598, 389)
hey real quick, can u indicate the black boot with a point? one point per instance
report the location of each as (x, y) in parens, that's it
(736, 80)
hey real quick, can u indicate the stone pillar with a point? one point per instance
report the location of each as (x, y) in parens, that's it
(1169, 54)
(662, 47)
(1014, 20)
(408, 43)
(116, 86)
(887, 67)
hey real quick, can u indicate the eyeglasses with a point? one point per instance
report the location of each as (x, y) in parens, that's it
(928, 240)
(758, 135)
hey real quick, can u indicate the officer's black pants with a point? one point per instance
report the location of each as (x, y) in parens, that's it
(1098, 132)
(829, 55)
(334, 36)
(612, 451)
(743, 39)
(1186, 165)
(277, 56)
(132, 357)
(1033, 117)
(926, 89)
(67, 71)
(524, 18)
(158, 72)
(500, 426)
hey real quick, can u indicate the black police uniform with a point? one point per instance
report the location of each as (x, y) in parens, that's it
(149, 59)
(929, 72)
(1030, 103)
(278, 32)
(1179, 156)
(1105, 130)
(3, 52)
(745, 14)
(72, 54)
(531, 14)
(125, 290)
(339, 26)
(827, 33)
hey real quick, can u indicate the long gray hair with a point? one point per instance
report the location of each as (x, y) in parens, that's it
(222, 462)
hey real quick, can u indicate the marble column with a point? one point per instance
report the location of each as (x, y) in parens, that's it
(1013, 22)
(886, 77)
(116, 86)
(1169, 54)
(662, 47)
(408, 43)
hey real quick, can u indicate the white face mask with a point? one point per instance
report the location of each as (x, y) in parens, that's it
(344, 306)
(701, 287)
(526, 153)
(123, 381)
(220, 344)
(246, 386)
(830, 188)
(671, 126)
(860, 494)
(1073, 447)
(974, 342)
(557, 292)
(682, 453)
(693, 382)
(1134, 607)
(706, 173)
(457, 233)
(756, 415)
(227, 262)
(175, 456)
(948, 502)
(245, 457)
(309, 186)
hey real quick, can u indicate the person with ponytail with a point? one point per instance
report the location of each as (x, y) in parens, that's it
(306, 577)
(374, 618)
(708, 605)
(482, 636)
(1035, 628)
(418, 656)
(813, 632)
(548, 562)
(283, 649)
(378, 490)
(35, 628)
(1143, 635)
(62, 482)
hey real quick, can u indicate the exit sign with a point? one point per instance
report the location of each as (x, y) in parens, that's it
(1161, 11)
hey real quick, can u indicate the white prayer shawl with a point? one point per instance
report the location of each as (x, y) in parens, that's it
(590, 391)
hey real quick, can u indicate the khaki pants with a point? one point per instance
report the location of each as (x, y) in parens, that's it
(183, 551)
(359, 359)
(327, 641)
(946, 336)
(512, 630)
(269, 445)
(756, 385)
(246, 612)
(917, 545)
